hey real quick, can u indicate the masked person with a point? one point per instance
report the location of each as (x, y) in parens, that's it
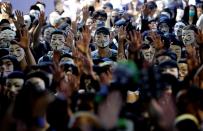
(148, 52)
(102, 40)
(164, 25)
(178, 30)
(183, 69)
(43, 45)
(35, 11)
(8, 64)
(6, 36)
(190, 15)
(14, 83)
(58, 39)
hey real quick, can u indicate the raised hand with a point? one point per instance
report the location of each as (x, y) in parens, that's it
(24, 38)
(199, 37)
(19, 21)
(85, 13)
(156, 38)
(83, 43)
(69, 40)
(122, 33)
(42, 18)
(135, 41)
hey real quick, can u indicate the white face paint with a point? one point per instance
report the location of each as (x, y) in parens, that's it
(163, 27)
(178, 28)
(176, 49)
(38, 82)
(102, 40)
(7, 35)
(148, 54)
(47, 33)
(35, 13)
(41, 7)
(17, 51)
(57, 41)
(27, 21)
(173, 71)
(13, 86)
(188, 37)
(6, 67)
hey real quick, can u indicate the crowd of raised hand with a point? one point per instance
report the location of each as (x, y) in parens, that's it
(94, 66)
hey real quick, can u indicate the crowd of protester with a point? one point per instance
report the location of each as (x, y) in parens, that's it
(91, 66)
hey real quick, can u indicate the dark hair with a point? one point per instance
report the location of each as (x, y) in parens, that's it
(45, 27)
(60, 32)
(98, 13)
(16, 74)
(4, 21)
(40, 2)
(34, 7)
(191, 27)
(103, 30)
(13, 60)
(186, 15)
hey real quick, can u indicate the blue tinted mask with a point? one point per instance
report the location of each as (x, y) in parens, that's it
(191, 13)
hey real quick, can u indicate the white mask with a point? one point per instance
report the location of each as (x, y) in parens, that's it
(57, 41)
(35, 13)
(7, 67)
(27, 21)
(13, 86)
(17, 51)
(178, 28)
(102, 40)
(176, 49)
(188, 37)
(163, 27)
(47, 33)
(54, 18)
(7, 35)
(41, 7)
(148, 54)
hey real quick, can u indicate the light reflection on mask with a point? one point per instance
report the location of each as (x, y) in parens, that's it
(102, 40)
(188, 37)
(35, 13)
(178, 28)
(37, 82)
(6, 67)
(41, 7)
(163, 27)
(177, 50)
(183, 70)
(17, 51)
(54, 18)
(13, 86)
(27, 21)
(57, 41)
(148, 54)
